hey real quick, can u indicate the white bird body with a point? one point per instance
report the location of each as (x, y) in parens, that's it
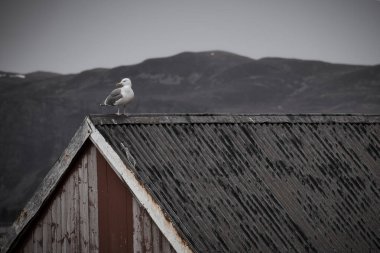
(127, 95)
(120, 96)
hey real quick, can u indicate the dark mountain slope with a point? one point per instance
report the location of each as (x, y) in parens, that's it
(41, 112)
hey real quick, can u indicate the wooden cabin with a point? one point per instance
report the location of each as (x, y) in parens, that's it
(210, 183)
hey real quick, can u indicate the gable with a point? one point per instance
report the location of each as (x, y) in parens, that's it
(81, 191)
(91, 210)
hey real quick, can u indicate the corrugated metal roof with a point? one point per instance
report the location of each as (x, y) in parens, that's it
(258, 183)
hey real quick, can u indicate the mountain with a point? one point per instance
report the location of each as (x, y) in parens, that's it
(41, 111)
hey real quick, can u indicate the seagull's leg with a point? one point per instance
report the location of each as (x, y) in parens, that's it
(124, 110)
(118, 111)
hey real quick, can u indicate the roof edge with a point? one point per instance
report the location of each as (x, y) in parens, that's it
(232, 118)
(48, 184)
(139, 192)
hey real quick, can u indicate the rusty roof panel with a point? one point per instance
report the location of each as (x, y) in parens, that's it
(258, 183)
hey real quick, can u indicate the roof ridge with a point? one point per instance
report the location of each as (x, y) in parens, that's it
(178, 118)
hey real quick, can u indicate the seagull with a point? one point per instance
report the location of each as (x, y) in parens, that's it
(120, 96)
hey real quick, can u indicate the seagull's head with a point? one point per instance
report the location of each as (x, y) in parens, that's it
(124, 82)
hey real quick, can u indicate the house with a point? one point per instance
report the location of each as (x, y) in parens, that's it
(210, 183)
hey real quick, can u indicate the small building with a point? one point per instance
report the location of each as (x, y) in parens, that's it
(210, 183)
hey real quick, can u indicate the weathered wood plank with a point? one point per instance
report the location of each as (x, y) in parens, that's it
(37, 238)
(58, 237)
(69, 209)
(28, 248)
(137, 227)
(102, 198)
(54, 224)
(64, 218)
(46, 231)
(83, 204)
(129, 219)
(156, 238)
(74, 243)
(166, 248)
(93, 201)
(147, 232)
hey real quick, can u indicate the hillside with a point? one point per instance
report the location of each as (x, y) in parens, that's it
(41, 112)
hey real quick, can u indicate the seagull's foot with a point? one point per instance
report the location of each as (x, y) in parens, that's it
(125, 113)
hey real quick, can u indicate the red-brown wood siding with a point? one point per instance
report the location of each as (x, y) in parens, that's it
(68, 222)
(124, 225)
(115, 211)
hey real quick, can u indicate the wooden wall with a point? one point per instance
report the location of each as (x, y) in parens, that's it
(147, 237)
(92, 211)
(69, 222)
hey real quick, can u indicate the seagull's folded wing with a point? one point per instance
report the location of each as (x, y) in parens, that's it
(113, 97)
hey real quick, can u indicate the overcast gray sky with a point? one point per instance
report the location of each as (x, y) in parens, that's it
(69, 36)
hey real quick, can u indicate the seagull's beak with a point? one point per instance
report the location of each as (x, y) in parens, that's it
(119, 85)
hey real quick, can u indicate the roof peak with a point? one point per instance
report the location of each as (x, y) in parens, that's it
(178, 118)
